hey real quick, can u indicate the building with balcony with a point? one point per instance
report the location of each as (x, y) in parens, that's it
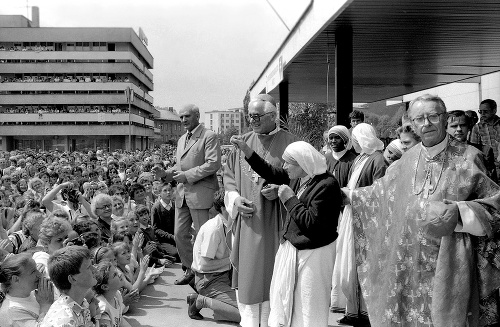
(168, 127)
(220, 121)
(67, 88)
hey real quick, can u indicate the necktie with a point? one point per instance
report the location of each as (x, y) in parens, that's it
(188, 137)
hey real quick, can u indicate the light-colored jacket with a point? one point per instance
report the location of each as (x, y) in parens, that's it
(199, 160)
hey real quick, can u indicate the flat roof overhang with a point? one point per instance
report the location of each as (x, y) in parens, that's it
(399, 47)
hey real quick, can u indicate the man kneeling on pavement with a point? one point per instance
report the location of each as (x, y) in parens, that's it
(212, 268)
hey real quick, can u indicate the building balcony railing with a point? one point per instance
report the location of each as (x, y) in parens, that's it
(83, 98)
(7, 118)
(30, 87)
(69, 72)
(65, 130)
(74, 57)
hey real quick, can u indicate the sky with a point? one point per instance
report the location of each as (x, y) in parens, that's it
(206, 52)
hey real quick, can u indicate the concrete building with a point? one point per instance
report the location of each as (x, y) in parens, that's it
(67, 88)
(168, 127)
(220, 120)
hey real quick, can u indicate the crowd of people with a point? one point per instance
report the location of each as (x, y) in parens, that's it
(270, 233)
(65, 78)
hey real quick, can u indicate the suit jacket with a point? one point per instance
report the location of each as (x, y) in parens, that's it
(199, 160)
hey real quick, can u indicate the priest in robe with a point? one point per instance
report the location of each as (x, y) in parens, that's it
(427, 233)
(256, 212)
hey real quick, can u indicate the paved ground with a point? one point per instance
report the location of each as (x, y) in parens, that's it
(164, 304)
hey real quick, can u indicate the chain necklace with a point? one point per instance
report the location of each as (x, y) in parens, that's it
(252, 175)
(429, 188)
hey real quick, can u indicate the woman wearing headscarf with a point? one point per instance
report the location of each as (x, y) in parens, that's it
(300, 287)
(393, 151)
(339, 160)
(368, 166)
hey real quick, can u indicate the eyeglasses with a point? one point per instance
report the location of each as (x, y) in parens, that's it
(432, 118)
(141, 213)
(105, 206)
(256, 117)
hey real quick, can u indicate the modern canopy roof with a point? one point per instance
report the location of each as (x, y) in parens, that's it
(399, 47)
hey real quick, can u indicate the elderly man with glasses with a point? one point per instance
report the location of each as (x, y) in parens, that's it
(255, 211)
(426, 234)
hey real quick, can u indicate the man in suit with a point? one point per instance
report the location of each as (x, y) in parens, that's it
(198, 159)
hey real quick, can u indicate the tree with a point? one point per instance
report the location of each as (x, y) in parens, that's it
(226, 136)
(307, 121)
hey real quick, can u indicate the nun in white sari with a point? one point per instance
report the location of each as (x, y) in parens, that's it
(302, 276)
(368, 166)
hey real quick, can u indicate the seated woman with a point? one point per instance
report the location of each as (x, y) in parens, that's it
(302, 276)
(23, 306)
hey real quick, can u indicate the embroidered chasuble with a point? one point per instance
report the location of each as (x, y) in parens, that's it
(409, 277)
(256, 239)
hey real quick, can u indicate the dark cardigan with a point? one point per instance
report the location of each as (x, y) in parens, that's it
(340, 168)
(373, 169)
(312, 220)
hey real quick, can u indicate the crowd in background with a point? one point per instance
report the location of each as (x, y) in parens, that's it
(108, 220)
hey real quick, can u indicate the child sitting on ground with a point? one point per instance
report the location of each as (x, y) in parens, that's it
(154, 236)
(119, 225)
(137, 281)
(163, 219)
(109, 282)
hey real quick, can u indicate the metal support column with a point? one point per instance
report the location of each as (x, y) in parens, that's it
(283, 89)
(343, 74)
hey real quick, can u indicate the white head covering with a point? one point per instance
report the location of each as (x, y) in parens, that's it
(396, 147)
(364, 136)
(344, 134)
(306, 156)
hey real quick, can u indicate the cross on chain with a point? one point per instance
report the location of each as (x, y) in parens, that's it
(428, 186)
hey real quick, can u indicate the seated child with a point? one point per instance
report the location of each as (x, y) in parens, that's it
(163, 218)
(155, 237)
(70, 269)
(133, 281)
(102, 253)
(119, 225)
(109, 282)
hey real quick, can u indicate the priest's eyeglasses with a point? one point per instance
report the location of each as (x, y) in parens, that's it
(432, 118)
(256, 117)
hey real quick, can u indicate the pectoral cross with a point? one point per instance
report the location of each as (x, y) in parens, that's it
(427, 188)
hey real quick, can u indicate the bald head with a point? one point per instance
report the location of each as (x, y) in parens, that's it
(264, 101)
(190, 108)
(190, 116)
